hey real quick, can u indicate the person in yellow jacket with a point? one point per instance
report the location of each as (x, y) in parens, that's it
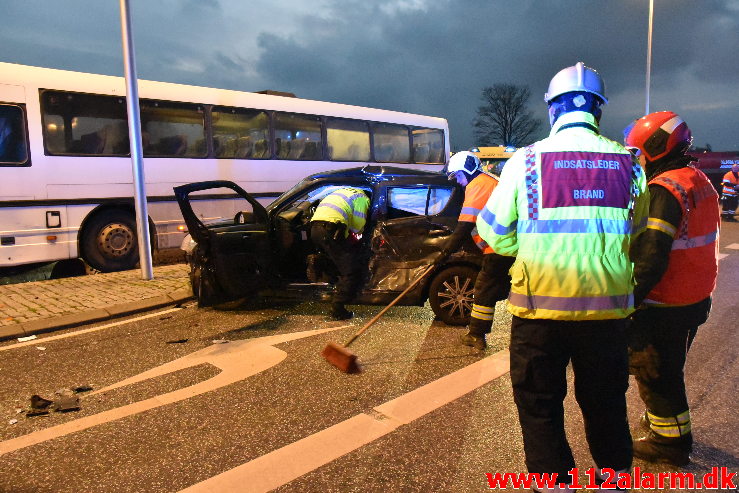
(493, 282)
(675, 267)
(335, 228)
(567, 207)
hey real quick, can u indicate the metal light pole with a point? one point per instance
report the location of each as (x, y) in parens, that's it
(134, 137)
(649, 51)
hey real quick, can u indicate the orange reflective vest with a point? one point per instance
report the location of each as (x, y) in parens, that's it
(693, 267)
(476, 195)
(730, 183)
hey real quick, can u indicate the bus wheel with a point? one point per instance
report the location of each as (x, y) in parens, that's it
(109, 241)
(450, 294)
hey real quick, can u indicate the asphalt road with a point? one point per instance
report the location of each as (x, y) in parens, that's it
(427, 414)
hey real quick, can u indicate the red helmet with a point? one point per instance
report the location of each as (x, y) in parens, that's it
(658, 134)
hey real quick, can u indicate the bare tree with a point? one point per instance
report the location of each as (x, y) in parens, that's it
(503, 118)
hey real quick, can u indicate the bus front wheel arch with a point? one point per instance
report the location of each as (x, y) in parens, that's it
(109, 241)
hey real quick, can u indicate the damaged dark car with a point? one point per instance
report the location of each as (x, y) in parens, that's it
(268, 252)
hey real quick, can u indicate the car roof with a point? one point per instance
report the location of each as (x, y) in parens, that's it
(367, 176)
(372, 173)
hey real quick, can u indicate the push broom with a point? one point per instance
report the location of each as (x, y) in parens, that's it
(345, 360)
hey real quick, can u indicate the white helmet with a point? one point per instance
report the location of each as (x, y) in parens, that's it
(576, 78)
(464, 161)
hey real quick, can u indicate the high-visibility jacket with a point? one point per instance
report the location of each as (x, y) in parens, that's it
(693, 266)
(476, 195)
(567, 207)
(348, 206)
(730, 183)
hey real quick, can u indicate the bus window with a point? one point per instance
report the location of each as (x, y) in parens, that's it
(297, 136)
(348, 140)
(428, 146)
(84, 124)
(13, 141)
(172, 129)
(239, 133)
(391, 143)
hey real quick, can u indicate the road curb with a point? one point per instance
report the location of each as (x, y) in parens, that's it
(96, 315)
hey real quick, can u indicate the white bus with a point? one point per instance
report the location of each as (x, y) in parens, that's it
(65, 169)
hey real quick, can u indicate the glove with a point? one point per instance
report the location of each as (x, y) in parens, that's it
(354, 238)
(644, 363)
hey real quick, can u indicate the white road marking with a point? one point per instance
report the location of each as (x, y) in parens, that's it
(722, 256)
(87, 331)
(285, 464)
(733, 246)
(238, 360)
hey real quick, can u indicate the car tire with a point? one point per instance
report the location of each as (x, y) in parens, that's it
(109, 241)
(450, 294)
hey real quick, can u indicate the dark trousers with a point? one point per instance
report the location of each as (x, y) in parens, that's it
(493, 284)
(329, 237)
(671, 332)
(540, 351)
(729, 204)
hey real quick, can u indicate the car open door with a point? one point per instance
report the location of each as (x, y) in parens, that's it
(232, 256)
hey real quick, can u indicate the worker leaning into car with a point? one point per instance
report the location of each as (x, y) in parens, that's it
(493, 282)
(730, 194)
(335, 228)
(568, 207)
(675, 267)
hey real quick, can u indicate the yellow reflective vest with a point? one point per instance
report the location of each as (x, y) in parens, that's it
(567, 207)
(348, 206)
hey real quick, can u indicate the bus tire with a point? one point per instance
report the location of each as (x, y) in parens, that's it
(109, 241)
(450, 294)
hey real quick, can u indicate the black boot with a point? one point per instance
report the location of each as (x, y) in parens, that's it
(339, 312)
(475, 336)
(659, 449)
(474, 340)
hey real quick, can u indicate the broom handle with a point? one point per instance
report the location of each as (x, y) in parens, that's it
(392, 303)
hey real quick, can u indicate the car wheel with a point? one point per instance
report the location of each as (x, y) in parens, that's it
(109, 241)
(450, 294)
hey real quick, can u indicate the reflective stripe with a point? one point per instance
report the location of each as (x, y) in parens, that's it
(481, 244)
(671, 427)
(695, 242)
(469, 210)
(532, 184)
(546, 226)
(360, 214)
(483, 312)
(561, 303)
(660, 225)
(337, 209)
(349, 198)
(670, 125)
(489, 218)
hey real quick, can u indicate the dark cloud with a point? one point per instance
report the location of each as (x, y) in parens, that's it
(422, 56)
(437, 59)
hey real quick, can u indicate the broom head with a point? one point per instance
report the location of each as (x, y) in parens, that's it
(341, 358)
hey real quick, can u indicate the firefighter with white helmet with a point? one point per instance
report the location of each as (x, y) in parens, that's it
(493, 282)
(675, 267)
(567, 207)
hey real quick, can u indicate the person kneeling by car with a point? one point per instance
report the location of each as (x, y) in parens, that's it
(493, 282)
(335, 228)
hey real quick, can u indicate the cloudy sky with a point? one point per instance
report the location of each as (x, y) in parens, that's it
(430, 57)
